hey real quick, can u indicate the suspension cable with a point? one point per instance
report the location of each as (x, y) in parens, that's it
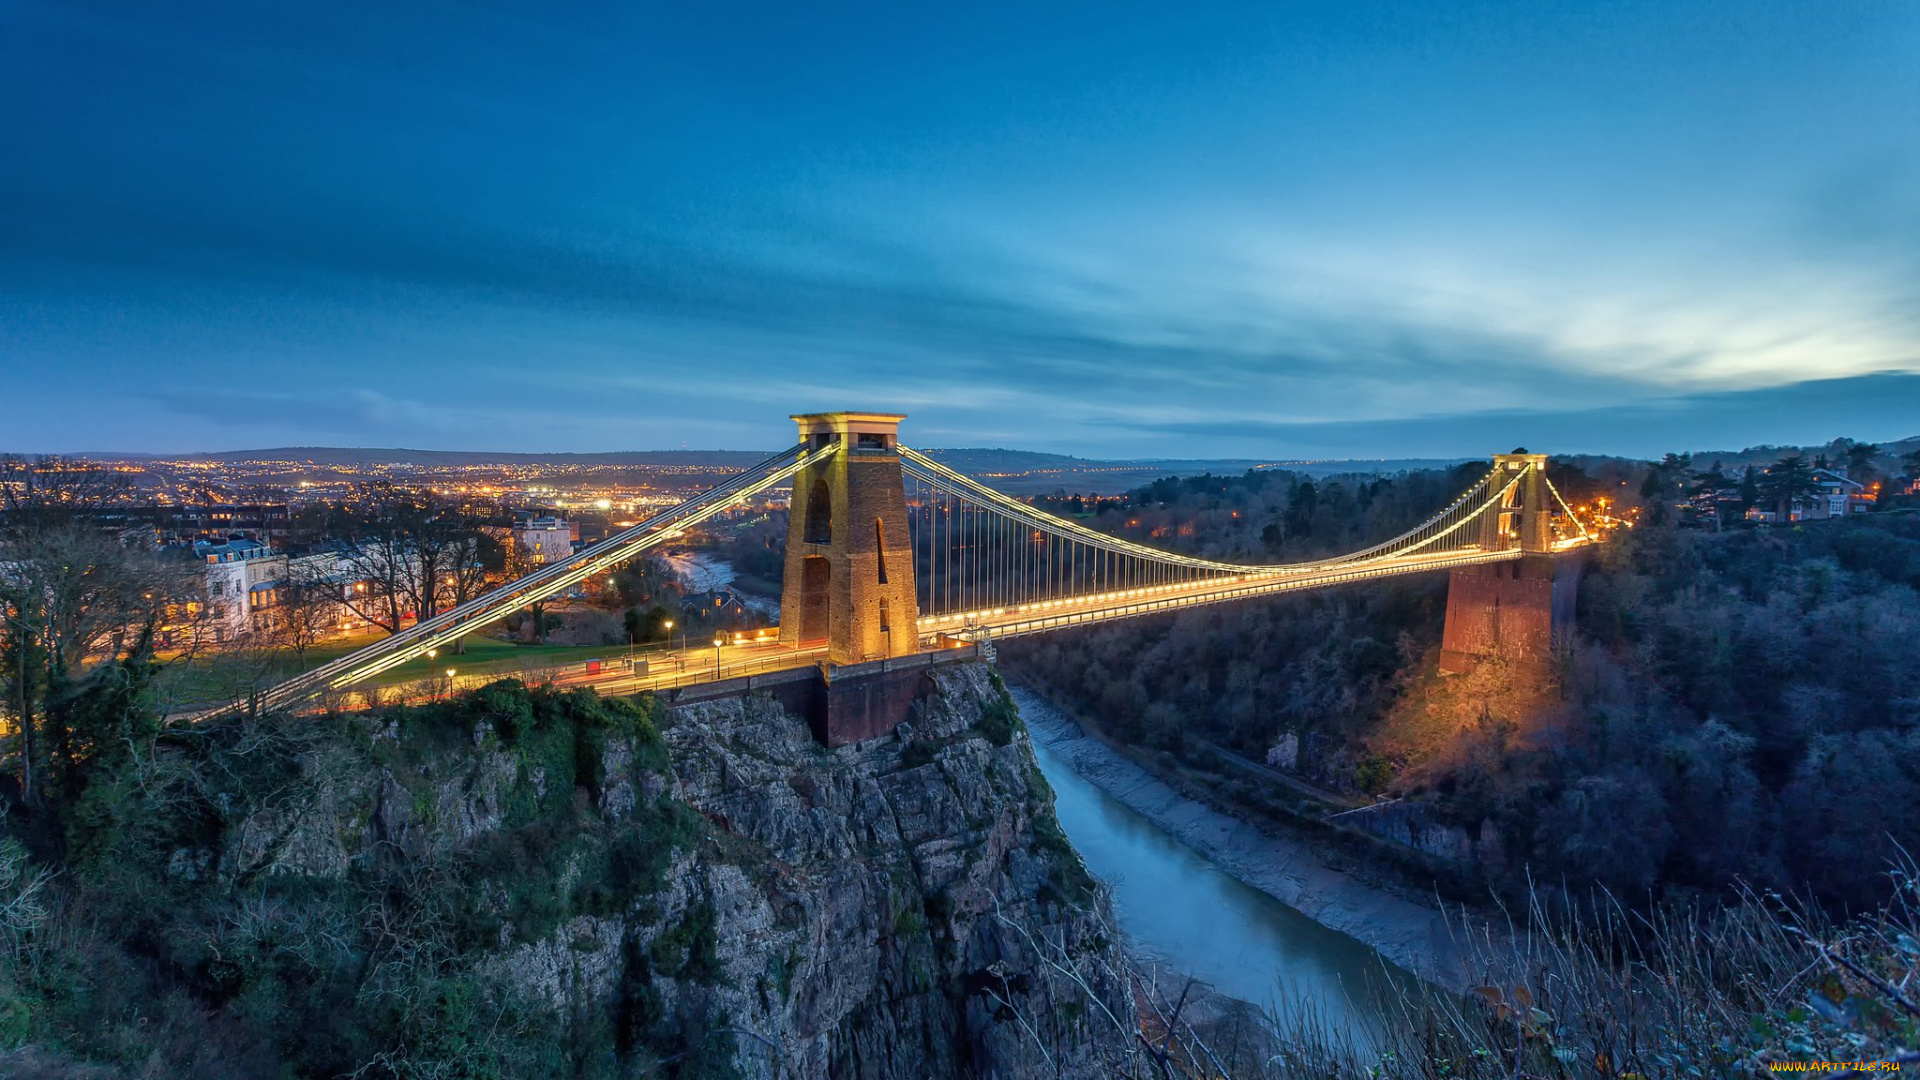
(961, 486)
(459, 621)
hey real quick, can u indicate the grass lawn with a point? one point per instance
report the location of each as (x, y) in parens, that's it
(215, 676)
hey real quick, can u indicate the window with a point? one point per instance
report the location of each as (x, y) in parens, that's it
(819, 513)
(885, 625)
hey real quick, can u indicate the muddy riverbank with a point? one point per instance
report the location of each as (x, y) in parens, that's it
(1411, 935)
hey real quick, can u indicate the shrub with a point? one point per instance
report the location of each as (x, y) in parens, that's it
(1000, 720)
(918, 753)
(1067, 877)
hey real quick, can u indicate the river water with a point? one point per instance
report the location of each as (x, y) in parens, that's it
(1179, 908)
(705, 573)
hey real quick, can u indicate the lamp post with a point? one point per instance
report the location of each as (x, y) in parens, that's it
(669, 635)
(718, 641)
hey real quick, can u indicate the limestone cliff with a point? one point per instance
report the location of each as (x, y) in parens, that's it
(900, 882)
(527, 883)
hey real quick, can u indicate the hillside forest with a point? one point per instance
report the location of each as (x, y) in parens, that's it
(1739, 704)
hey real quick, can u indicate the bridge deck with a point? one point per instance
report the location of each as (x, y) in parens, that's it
(1509, 506)
(1130, 603)
(699, 665)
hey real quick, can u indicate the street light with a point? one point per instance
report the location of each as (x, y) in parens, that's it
(669, 634)
(718, 641)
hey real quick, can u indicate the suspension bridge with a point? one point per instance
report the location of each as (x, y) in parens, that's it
(893, 559)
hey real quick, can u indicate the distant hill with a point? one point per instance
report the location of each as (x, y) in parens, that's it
(1766, 455)
(348, 456)
(1021, 472)
(971, 460)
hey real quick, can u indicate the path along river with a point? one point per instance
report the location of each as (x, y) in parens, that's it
(1180, 908)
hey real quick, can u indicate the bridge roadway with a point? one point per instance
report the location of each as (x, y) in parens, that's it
(668, 670)
(1044, 615)
(665, 669)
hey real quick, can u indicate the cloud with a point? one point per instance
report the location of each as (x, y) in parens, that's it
(574, 237)
(1881, 408)
(352, 413)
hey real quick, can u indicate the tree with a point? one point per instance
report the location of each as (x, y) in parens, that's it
(379, 561)
(1708, 488)
(1859, 458)
(1661, 483)
(309, 605)
(318, 522)
(73, 590)
(518, 563)
(414, 552)
(1749, 489)
(1787, 481)
(644, 580)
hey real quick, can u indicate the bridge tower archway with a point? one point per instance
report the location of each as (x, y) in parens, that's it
(1523, 519)
(1521, 608)
(849, 585)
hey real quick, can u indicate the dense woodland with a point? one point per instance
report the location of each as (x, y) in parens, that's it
(1740, 703)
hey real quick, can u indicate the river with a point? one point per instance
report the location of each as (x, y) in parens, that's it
(1179, 908)
(706, 573)
(1175, 906)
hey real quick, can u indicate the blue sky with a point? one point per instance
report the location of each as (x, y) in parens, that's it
(1114, 229)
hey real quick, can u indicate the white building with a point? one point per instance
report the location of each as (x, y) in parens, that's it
(247, 581)
(545, 539)
(242, 576)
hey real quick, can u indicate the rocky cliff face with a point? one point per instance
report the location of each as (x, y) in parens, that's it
(525, 883)
(874, 910)
(890, 928)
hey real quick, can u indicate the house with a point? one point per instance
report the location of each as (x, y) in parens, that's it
(1838, 496)
(545, 539)
(1834, 496)
(241, 574)
(717, 604)
(212, 524)
(249, 586)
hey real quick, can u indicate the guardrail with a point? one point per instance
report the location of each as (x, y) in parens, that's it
(609, 675)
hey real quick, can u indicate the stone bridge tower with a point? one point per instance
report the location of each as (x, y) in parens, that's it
(849, 574)
(1523, 606)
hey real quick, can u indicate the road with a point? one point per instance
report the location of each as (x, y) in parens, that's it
(660, 669)
(667, 669)
(1011, 621)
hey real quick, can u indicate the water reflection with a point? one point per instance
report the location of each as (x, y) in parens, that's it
(1178, 907)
